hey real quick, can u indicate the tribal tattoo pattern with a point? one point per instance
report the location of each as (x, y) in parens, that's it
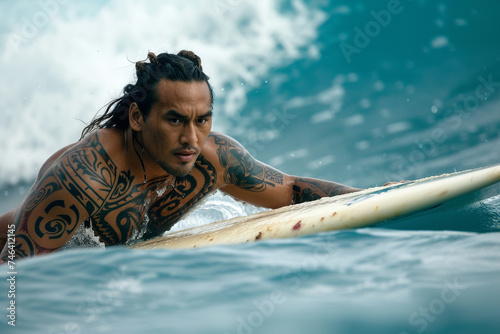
(307, 190)
(242, 170)
(164, 213)
(85, 183)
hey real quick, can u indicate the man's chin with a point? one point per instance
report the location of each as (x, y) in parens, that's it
(180, 171)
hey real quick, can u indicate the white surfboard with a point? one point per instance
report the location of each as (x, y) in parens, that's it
(361, 209)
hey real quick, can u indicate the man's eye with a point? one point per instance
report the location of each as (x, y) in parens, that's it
(174, 120)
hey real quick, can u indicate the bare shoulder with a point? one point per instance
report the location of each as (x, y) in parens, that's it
(214, 148)
(88, 143)
(215, 140)
(54, 158)
(83, 171)
(218, 143)
(224, 151)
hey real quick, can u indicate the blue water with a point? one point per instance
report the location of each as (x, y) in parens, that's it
(364, 281)
(418, 97)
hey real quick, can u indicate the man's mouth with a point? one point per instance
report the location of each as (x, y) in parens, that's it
(185, 155)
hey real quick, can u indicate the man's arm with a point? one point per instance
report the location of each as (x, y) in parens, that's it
(44, 221)
(54, 207)
(252, 181)
(308, 189)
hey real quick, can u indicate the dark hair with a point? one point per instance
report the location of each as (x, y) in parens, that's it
(185, 66)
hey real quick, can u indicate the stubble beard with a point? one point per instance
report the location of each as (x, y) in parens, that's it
(177, 172)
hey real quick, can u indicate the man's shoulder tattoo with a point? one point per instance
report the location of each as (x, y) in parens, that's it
(242, 170)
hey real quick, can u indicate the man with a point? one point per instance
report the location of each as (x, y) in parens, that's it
(143, 164)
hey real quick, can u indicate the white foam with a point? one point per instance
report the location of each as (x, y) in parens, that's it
(76, 61)
(216, 208)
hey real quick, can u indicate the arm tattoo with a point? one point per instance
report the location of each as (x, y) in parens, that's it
(306, 189)
(51, 221)
(242, 170)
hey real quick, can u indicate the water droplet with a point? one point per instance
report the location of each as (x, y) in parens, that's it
(365, 103)
(434, 109)
(399, 85)
(379, 86)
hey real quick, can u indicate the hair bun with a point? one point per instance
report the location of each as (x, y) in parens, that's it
(191, 56)
(140, 67)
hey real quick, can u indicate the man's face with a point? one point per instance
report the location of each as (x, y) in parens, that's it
(178, 125)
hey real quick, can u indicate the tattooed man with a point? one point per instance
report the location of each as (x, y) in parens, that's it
(143, 164)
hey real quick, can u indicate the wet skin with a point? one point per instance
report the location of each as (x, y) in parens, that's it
(102, 177)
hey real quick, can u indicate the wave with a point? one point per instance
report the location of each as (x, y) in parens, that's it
(60, 63)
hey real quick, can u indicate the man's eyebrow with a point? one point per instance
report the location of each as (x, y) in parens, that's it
(207, 114)
(176, 114)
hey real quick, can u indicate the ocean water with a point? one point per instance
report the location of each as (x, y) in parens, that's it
(359, 92)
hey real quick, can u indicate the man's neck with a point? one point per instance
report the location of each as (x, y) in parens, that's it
(141, 159)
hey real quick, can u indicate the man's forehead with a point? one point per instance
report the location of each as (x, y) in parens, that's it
(176, 91)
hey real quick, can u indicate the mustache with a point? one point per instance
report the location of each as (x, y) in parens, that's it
(186, 148)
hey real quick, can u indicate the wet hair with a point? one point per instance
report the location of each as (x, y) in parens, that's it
(184, 66)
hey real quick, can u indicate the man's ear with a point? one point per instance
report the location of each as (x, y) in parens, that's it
(135, 117)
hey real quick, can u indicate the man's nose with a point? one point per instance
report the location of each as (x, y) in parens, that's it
(188, 136)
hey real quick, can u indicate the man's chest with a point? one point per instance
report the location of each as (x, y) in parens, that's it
(141, 211)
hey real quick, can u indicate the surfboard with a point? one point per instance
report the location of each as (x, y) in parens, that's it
(379, 205)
